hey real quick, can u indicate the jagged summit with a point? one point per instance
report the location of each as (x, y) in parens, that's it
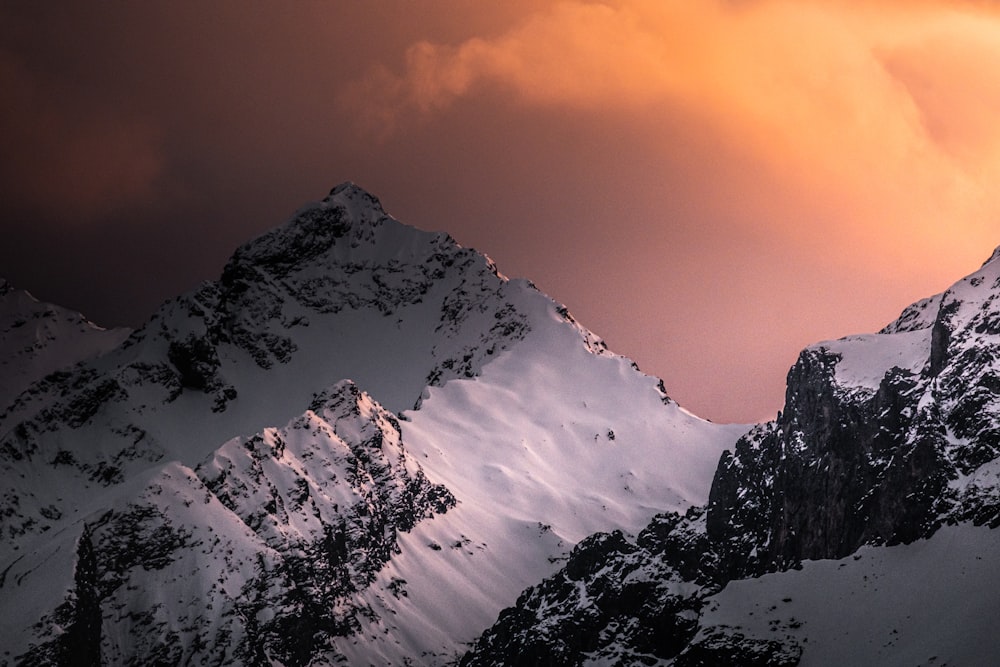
(345, 252)
(923, 313)
(351, 190)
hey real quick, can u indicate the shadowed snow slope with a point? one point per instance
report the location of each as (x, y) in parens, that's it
(39, 338)
(211, 490)
(932, 602)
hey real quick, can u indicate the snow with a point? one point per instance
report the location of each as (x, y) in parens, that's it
(932, 602)
(524, 448)
(986, 475)
(866, 358)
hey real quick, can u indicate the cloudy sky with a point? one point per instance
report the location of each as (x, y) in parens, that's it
(709, 185)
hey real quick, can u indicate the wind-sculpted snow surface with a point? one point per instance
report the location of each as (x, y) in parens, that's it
(381, 520)
(883, 439)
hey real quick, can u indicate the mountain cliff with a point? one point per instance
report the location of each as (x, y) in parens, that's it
(356, 446)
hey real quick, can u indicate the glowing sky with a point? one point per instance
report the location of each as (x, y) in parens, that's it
(710, 186)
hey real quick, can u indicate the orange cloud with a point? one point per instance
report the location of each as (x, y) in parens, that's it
(883, 114)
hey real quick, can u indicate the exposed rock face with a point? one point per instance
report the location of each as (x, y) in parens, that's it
(883, 439)
(836, 471)
(619, 601)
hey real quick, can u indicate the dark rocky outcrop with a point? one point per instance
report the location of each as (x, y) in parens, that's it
(835, 471)
(616, 600)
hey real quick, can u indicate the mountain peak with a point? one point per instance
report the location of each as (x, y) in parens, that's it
(350, 191)
(993, 257)
(359, 204)
(348, 214)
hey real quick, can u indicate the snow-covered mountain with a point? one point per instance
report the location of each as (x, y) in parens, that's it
(357, 446)
(364, 445)
(856, 528)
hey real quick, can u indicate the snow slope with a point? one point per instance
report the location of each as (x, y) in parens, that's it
(932, 602)
(515, 433)
(865, 359)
